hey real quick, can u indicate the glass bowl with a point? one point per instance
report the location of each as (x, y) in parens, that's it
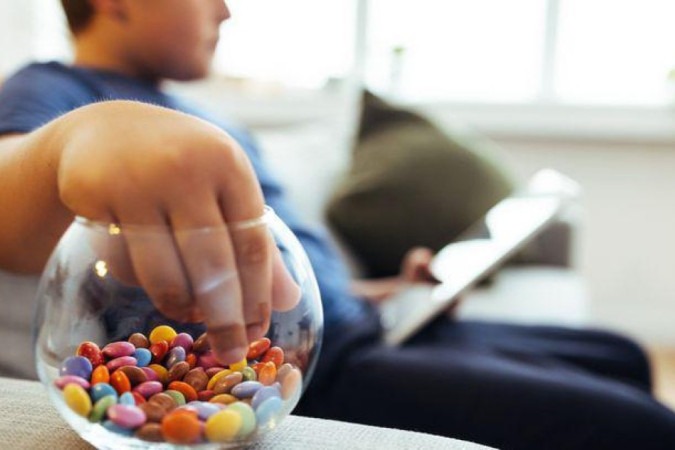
(86, 302)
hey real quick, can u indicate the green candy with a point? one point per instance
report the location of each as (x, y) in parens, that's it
(178, 397)
(101, 407)
(249, 374)
(247, 414)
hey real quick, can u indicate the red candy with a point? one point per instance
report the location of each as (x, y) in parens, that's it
(92, 352)
(159, 350)
(275, 355)
(257, 348)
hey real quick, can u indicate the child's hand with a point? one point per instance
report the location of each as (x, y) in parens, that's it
(132, 163)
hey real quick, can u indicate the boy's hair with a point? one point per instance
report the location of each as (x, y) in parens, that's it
(78, 13)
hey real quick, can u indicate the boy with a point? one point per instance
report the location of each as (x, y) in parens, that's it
(501, 385)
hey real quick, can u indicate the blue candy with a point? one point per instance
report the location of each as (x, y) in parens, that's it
(267, 410)
(127, 398)
(143, 357)
(78, 366)
(100, 390)
(265, 393)
(246, 389)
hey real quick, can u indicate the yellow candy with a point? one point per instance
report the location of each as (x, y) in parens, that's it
(223, 426)
(162, 333)
(161, 372)
(216, 377)
(77, 399)
(239, 366)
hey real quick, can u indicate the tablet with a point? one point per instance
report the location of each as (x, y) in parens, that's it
(504, 230)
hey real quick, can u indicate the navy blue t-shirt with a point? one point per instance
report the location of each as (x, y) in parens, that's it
(41, 92)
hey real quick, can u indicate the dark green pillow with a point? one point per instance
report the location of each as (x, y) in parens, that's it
(410, 184)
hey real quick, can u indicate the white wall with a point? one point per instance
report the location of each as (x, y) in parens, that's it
(626, 248)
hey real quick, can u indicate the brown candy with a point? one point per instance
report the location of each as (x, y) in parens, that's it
(150, 432)
(201, 344)
(197, 378)
(135, 374)
(164, 400)
(226, 383)
(211, 371)
(153, 411)
(139, 340)
(178, 371)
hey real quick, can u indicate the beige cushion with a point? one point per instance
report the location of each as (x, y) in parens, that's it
(29, 421)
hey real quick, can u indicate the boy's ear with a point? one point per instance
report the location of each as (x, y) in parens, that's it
(114, 9)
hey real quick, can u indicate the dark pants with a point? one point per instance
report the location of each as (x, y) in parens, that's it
(508, 386)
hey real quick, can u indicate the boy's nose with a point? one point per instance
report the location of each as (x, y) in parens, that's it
(222, 10)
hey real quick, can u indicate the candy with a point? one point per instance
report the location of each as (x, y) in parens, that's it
(61, 382)
(181, 427)
(127, 399)
(257, 348)
(100, 407)
(77, 399)
(197, 378)
(238, 366)
(225, 384)
(268, 373)
(101, 374)
(188, 391)
(143, 357)
(263, 394)
(149, 388)
(248, 420)
(76, 365)
(170, 388)
(274, 354)
(162, 333)
(100, 390)
(177, 372)
(201, 345)
(176, 355)
(177, 397)
(120, 382)
(246, 389)
(92, 352)
(122, 361)
(118, 349)
(182, 340)
(224, 399)
(159, 350)
(291, 384)
(267, 410)
(150, 432)
(154, 412)
(139, 340)
(216, 376)
(126, 416)
(223, 426)
(135, 374)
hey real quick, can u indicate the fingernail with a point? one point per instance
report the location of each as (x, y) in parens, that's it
(254, 332)
(232, 355)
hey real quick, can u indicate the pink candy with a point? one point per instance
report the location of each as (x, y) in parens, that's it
(118, 349)
(149, 388)
(126, 416)
(64, 380)
(122, 361)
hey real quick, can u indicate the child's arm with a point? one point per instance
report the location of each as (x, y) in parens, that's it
(134, 163)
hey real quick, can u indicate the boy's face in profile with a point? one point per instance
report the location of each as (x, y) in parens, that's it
(173, 39)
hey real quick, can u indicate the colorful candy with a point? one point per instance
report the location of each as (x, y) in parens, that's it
(169, 387)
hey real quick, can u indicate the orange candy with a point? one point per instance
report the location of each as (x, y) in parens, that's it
(120, 382)
(181, 427)
(159, 350)
(275, 355)
(161, 372)
(101, 374)
(188, 391)
(257, 348)
(257, 367)
(191, 359)
(268, 373)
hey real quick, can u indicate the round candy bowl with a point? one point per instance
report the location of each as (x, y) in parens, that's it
(128, 371)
